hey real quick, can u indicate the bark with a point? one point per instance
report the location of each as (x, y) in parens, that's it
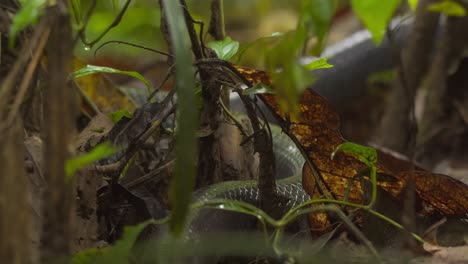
(15, 222)
(59, 112)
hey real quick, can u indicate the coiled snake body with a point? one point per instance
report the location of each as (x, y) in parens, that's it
(354, 59)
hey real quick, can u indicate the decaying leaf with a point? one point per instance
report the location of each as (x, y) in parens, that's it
(101, 92)
(316, 129)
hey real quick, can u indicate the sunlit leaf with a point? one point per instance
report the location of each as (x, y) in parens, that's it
(448, 7)
(99, 152)
(28, 14)
(92, 69)
(99, 91)
(365, 154)
(375, 14)
(225, 48)
(321, 63)
(119, 114)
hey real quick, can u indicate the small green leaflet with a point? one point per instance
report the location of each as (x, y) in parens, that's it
(365, 154)
(448, 7)
(117, 115)
(225, 48)
(375, 15)
(321, 63)
(92, 69)
(29, 13)
(99, 152)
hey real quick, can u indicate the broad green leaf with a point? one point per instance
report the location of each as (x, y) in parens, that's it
(289, 84)
(375, 15)
(413, 4)
(260, 44)
(28, 14)
(92, 69)
(117, 115)
(288, 77)
(321, 63)
(365, 154)
(448, 7)
(99, 152)
(119, 253)
(183, 181)
(225, 48)
(258, 89)
(317, 16)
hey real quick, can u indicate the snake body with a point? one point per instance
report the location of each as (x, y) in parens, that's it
(287, 156)
(354, 60)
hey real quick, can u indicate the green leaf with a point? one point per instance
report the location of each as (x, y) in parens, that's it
(258, 89)
(413, 4)
(289, 84)
(375, 14)
(365, 154)
(88, 256)
(225, 48)
(317, 16)
(28, 14)
(119, 253)
(92, 69)
(183, 181)
(260, 43)
(321, 63)
(448, 7)
(99, 152)
(292, 79)
(119, 114)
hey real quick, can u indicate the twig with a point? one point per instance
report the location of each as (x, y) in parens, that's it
(26, 81)
(114, 23)
(216, 28)
(134, 146)
(233, 118)
(81, 32)
(9, 82)
(196, 48)
(133, 45)
(150, 175)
